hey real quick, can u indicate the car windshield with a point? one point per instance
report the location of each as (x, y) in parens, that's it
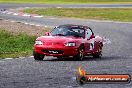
(64, 31)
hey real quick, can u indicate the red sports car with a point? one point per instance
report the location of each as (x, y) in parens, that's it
(68, 40)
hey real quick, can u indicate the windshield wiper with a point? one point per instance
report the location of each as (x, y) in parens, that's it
(60, 34)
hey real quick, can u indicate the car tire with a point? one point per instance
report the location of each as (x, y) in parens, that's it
(38, 56)
(80, 54)
(98, 54)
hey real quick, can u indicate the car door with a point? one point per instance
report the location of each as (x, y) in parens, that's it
(89, 35)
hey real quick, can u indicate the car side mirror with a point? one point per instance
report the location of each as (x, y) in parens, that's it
(47, 34)
(92, 36)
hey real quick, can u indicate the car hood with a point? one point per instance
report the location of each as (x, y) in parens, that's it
(60, 39)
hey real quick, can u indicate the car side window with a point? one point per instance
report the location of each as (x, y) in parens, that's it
(88, 33)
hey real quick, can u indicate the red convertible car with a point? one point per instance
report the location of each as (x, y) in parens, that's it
(68, 40)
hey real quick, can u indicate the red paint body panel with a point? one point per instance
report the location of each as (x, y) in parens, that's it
(66, 51)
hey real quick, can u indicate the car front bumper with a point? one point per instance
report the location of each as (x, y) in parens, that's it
(56, 51)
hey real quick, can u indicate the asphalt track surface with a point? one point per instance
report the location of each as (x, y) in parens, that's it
(60, 73)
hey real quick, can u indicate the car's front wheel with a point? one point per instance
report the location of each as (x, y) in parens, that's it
(38, 56)
(80, 54)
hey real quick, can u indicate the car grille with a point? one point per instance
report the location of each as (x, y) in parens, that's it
(53, 51)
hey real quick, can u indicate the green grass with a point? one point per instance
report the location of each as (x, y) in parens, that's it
(65, 1)
(116, 14)
(12, 45)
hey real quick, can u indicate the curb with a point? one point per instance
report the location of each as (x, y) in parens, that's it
(4, 11)
(31, 24)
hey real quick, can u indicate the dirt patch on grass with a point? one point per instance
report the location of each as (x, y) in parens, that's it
(18, 28)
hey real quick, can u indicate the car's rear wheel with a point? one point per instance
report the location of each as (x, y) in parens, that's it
(38, 56)
(98, 54)
(80, 54)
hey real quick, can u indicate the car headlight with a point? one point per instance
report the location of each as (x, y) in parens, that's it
(70, 44)
(38, 42)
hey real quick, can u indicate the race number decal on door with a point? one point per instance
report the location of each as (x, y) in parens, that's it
(91, 46)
